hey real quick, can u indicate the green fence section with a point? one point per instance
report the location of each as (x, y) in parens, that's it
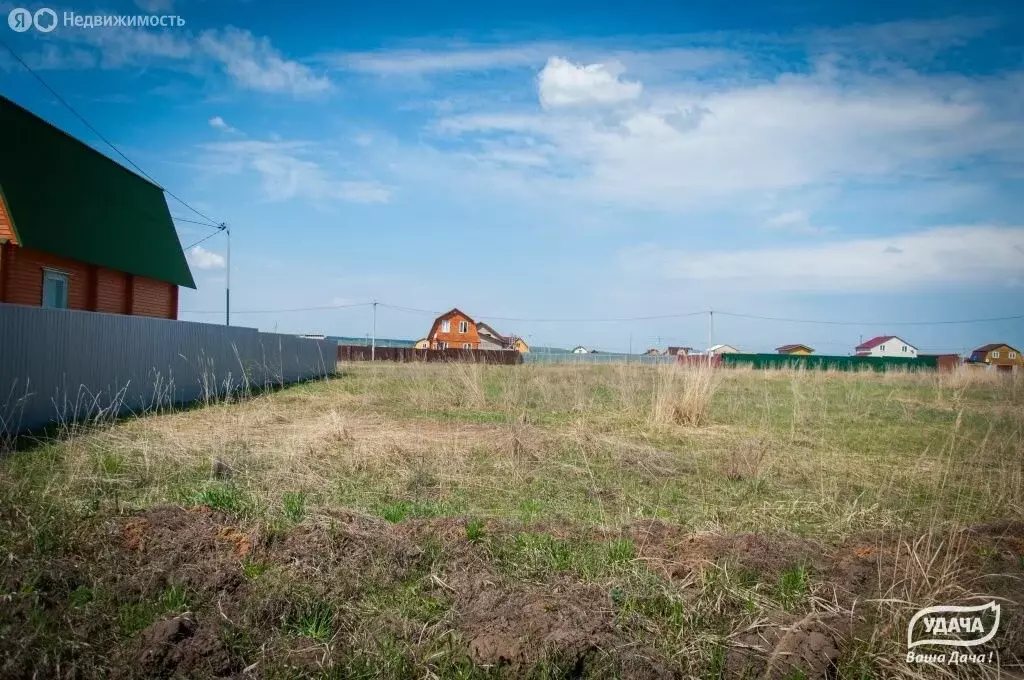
(815, 361)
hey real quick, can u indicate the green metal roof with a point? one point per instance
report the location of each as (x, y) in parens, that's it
(67, 199)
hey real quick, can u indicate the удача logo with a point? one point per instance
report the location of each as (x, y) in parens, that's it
(953, 626)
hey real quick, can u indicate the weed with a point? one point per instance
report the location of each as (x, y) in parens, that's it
(173, 600)
(794, 585)
(621, 551)
(253, 569)
(226, 497)
(315, 621)
(80, 596)
(294, 506)
(475, 530)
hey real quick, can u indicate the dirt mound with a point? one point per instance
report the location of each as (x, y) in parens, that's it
(679, 553)
(180, 646)
(809, 648)
(196, 548)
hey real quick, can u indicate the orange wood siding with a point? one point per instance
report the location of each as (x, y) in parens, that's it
(89, 287)
(6, 231)
(152, 298)
(1004, 357)
(23, 271)
(453, 338)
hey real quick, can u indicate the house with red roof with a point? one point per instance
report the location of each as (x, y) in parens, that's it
(886, 346)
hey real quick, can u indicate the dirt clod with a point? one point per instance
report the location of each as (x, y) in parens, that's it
(810, 646)
(179, 646)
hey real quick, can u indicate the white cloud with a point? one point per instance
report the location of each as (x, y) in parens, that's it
(696, 142)
(255, 63)
(409, 62)
(945, 255)
(201, 258)
(218, 123)
(289, 171)
(794, 222)
(563, 83)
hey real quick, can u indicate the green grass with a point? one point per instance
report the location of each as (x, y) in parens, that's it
(315, 621)
(375, 500)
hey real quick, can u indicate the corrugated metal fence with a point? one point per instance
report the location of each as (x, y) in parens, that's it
(407, 354)
(820, 361)
(60, 365)
(597, 358)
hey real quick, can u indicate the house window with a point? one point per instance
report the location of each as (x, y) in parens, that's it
(904, 348)
(1012, 355)
(442, 345)
(466, 345)
(55, 289)
(995, 354)
(882, 347)
(446, 326)
(463, 326)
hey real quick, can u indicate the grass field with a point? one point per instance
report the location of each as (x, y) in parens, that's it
(529, 521)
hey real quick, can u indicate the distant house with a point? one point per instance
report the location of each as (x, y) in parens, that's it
(492, 339)
(652, 352)
(580, 349)
(799, 350)
(886, 346)
(422, 343)
(722, 349)
(454, 330)
(80, 231)
(1000, 355)
(678, 351)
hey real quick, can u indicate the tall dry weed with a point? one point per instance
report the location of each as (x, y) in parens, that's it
(682, 395)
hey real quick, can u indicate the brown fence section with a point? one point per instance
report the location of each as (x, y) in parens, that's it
(408, 354)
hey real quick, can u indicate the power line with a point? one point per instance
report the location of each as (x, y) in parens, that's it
(564, 320)
(873, 323)
(183, 219)
(85, 122)
(205, 238)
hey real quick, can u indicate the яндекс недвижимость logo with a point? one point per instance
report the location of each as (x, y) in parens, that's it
(952, 626)
(21, 19)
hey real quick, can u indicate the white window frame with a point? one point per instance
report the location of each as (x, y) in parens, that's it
(995, 354)
(56, 275)
(442, 345)
(1011, 355)
(463, 326)
(446, 326)
(467, 345)
(881, 347)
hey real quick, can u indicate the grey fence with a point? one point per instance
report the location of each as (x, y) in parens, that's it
(61, 365)
(598, 358)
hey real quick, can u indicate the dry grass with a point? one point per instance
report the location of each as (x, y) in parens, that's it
(579, 449)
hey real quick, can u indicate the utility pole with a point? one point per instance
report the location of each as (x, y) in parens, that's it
(227, 281)
(711, 328)
(373, 342)
(630, 347)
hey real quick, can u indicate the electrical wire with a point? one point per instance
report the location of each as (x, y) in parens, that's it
(871, 323)
(85, 122)
(185, 219)
(205, 238)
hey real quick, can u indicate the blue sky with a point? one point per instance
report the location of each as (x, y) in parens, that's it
(800, 160)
